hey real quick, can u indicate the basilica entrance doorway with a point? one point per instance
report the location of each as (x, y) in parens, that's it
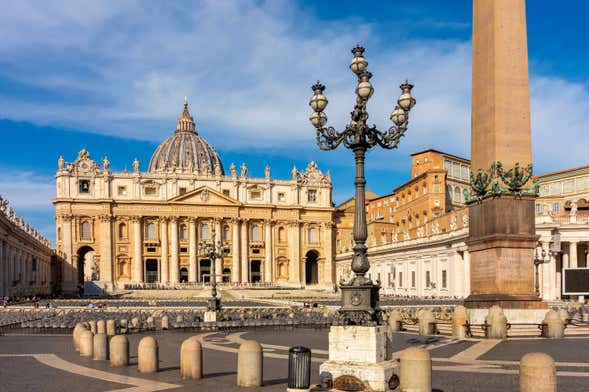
(205, 270)
(183, 275)
(311, 267)
(256, 271)
(151, 271)
(226, 275)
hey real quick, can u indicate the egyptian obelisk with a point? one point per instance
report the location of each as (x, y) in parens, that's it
(501, 205)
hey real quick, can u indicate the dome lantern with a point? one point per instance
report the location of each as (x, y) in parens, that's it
(185, 150)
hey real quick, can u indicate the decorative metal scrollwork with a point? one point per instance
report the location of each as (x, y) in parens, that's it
(488, 183)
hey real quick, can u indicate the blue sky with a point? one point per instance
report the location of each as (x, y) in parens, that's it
(110, 76)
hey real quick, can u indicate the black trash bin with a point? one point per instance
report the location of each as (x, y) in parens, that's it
(299, 367)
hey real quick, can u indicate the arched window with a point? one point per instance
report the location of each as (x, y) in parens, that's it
(457, 194)
(281, 234)
(313, 238)
(85, 230)
(59, 233)
(226, 233)
(183, 233)
(122, 231)
(204, 231)
(150, 231)
(256, 233)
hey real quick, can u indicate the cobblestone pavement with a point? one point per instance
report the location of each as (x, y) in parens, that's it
(49, 362)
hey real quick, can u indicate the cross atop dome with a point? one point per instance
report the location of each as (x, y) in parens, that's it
(185, 121)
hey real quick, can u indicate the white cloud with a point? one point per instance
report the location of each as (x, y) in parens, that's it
(27, 192)
(123, 67)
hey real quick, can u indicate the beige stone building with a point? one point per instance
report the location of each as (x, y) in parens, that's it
(25, 256)
(431, 258)
(120, 228)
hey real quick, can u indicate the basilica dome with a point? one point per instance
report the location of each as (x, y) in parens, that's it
(186, 150)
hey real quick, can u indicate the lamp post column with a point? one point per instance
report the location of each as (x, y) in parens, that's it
(219, 260)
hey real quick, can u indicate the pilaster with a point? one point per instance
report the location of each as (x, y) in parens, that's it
(192, 249)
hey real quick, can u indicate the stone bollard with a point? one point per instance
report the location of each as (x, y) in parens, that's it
(111, 327)
(415, 370)
(147, 355)
(426, 322)
(249, 364)
(100, 347)
(93, 326)
(165, 322)
(135, 322)
(149, 322)
(191, 359)
(537, 373)
(395, 321)
(554, 325)
(459, 322)
(496, 323)
(123, 326)
(86, 343)
(78, 329)
(119, 351)
(101, 326)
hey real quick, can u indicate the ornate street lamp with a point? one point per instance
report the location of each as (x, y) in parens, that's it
(213, 250)
(539, 258)
(360, 304)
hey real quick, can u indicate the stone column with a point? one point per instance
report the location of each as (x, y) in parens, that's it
(573, 254)
(502, 236)
(219, 261)
(235, 250)
(137, 270)
(192, 250)
(3, 270)
(164, 262)
(174, 260)
(268, 248)
(294, 249)
(244, 251)
(68, 267)
(565, 259)
(106, 259)
(327, 246)
(574, 262)
(466, 258)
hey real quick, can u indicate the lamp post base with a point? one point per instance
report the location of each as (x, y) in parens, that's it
(214, 304)
(210, 316)
(360, 303)
(360, 357)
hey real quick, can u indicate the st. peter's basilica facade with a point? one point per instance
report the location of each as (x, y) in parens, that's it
(120, 229)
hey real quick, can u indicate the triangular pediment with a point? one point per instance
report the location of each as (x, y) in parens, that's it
(204, 195)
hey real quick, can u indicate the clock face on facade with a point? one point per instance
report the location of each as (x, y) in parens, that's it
(356, 299)
(84, 166)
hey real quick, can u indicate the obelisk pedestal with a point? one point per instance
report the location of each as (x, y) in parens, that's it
(361, 357)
